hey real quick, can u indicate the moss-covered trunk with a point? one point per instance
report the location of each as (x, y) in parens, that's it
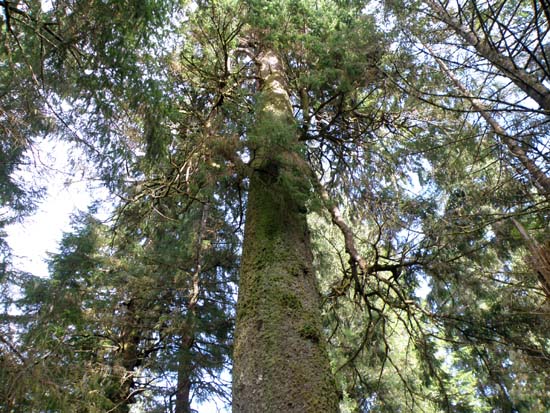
(280, 361)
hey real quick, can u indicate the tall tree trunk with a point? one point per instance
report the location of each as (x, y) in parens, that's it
(186, 363)
(280, 360)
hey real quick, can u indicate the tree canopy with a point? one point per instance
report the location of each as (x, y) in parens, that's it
(389, 160)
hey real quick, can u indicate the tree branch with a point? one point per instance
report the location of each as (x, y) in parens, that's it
(522, 79)
(542, 182)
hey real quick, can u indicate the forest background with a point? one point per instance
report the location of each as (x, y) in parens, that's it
(369, 148)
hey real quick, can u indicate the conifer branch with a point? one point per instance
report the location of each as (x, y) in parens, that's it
(541, 181)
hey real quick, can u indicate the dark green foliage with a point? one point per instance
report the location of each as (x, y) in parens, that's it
(117, 307)
(165, 100)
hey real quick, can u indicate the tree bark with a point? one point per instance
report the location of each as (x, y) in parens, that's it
(185, 369)
(280, 359)
(186, 363)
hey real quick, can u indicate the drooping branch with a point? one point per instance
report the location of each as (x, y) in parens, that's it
(357, 261)
(355, 258)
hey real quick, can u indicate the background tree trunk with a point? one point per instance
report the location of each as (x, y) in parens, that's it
(185, 368)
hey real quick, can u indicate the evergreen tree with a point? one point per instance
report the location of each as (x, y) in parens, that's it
(354, 150)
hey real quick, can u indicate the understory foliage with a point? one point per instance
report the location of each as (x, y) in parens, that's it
(423, 155)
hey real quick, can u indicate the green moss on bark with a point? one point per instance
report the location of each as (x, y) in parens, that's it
(286, 367)
(280, 362)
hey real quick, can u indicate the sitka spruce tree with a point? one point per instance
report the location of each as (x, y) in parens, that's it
(375, 173)
(280, 359)
(260, 62)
